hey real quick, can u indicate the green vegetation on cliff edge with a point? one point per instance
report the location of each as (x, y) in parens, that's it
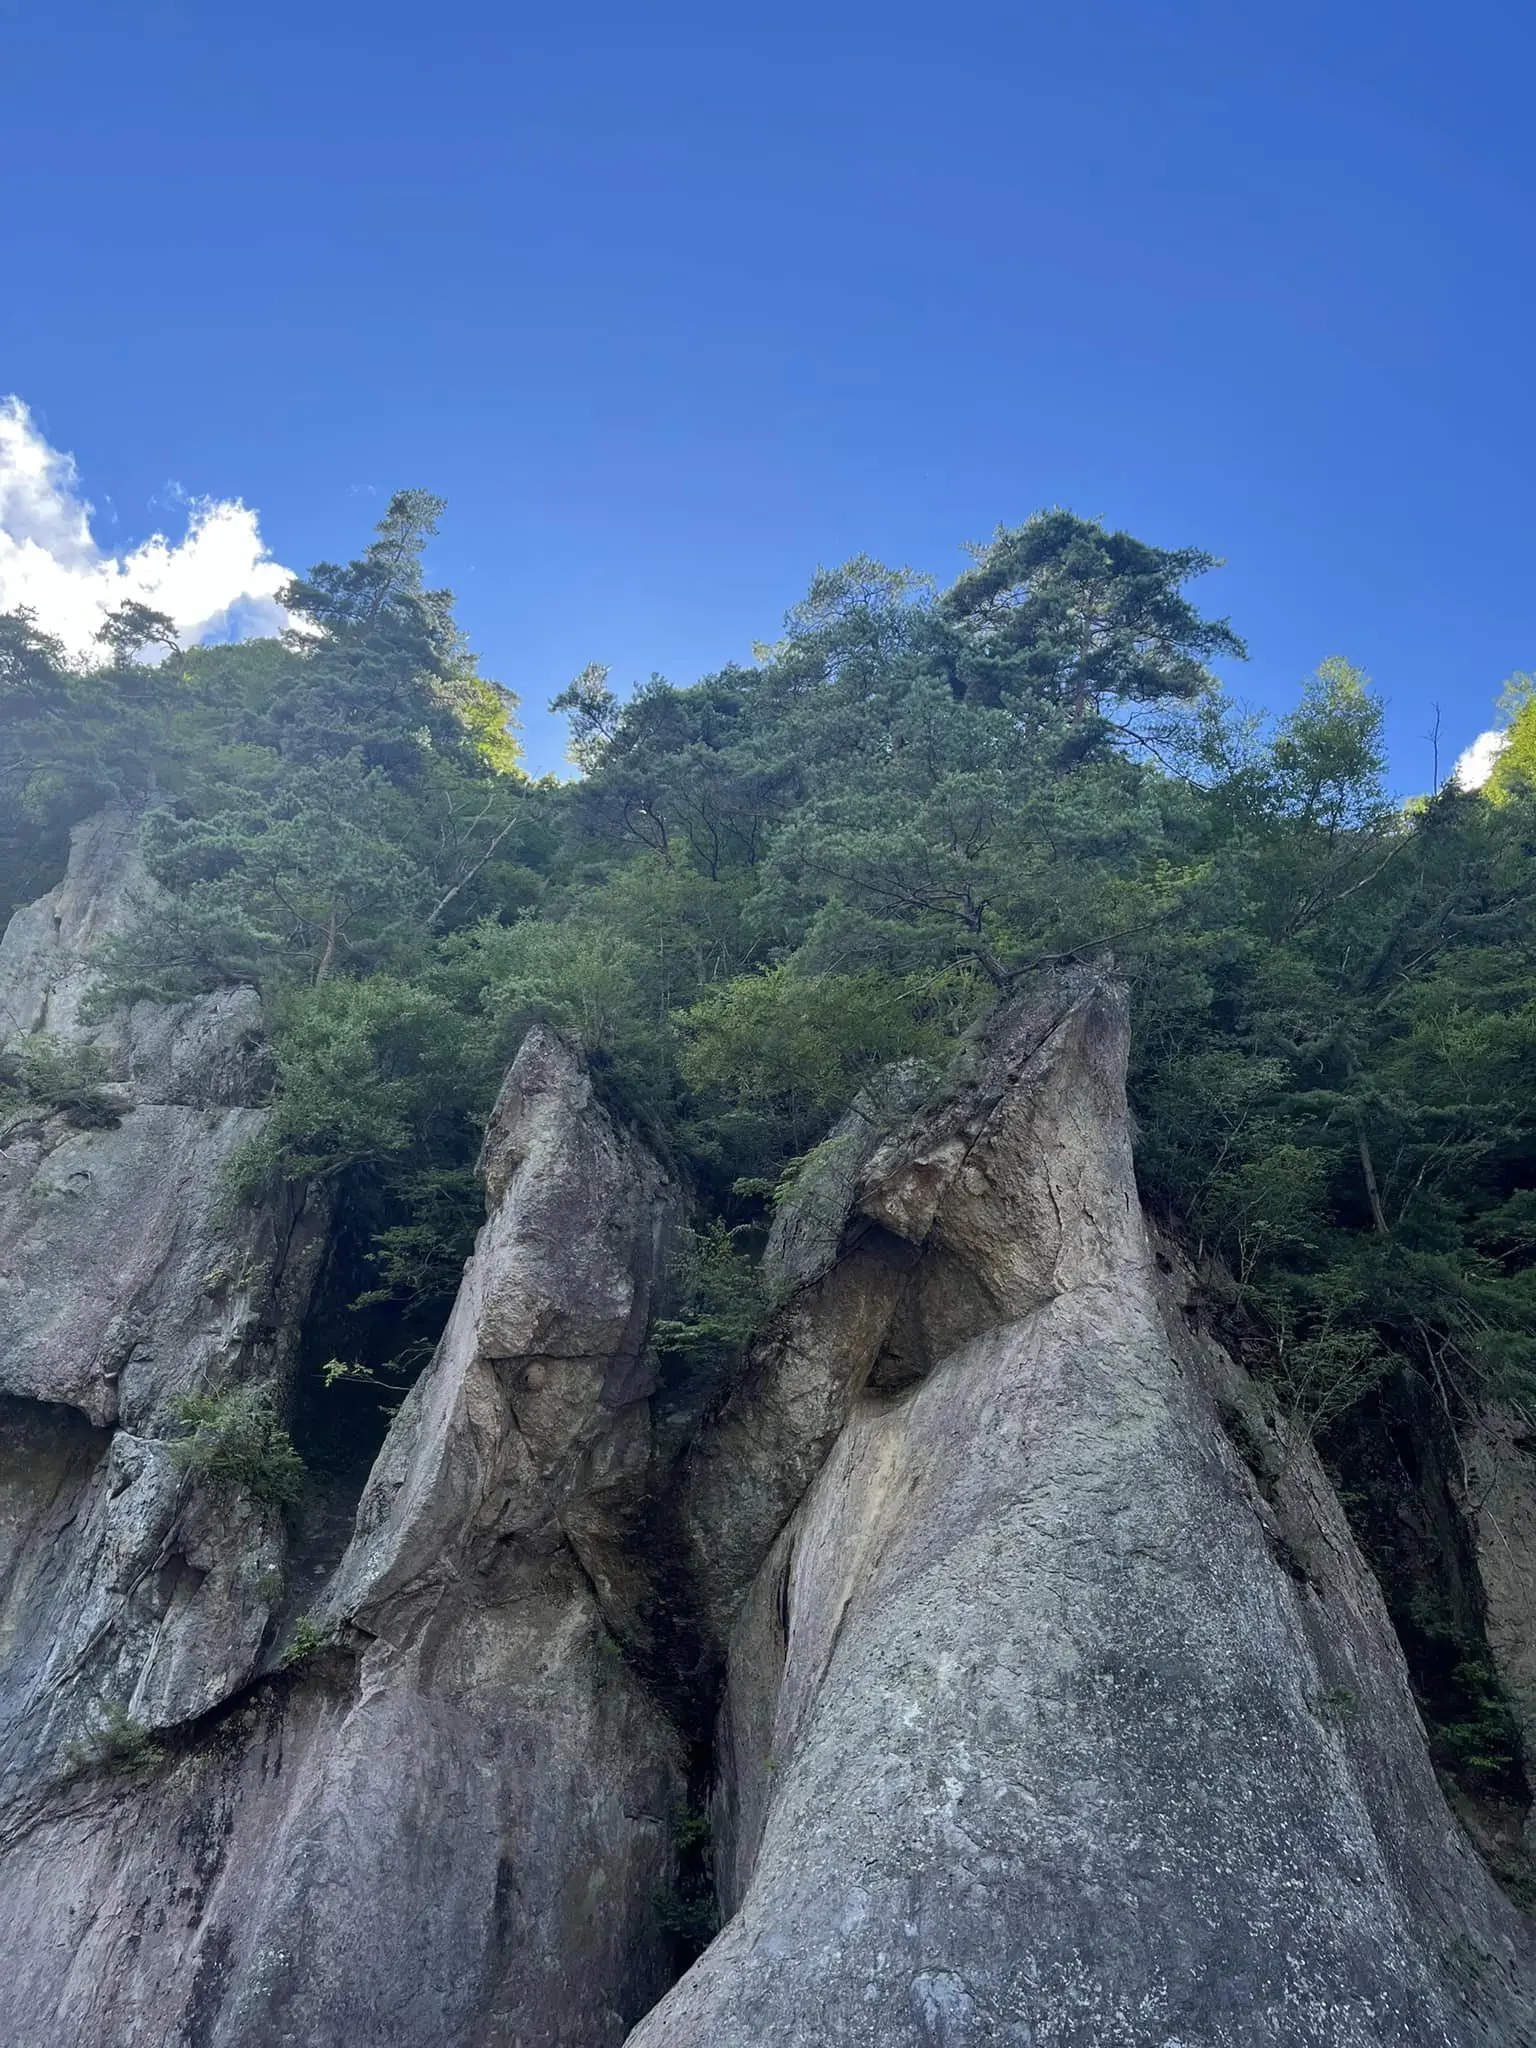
(770, 884)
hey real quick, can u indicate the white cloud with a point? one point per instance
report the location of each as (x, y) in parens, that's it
(1474, 767)
(218, 582)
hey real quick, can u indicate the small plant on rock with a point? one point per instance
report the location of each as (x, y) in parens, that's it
(237, 1437)
(71, 1080)
(308, 1637)
(721, 1297)
(687, 1911)
(117, 1743)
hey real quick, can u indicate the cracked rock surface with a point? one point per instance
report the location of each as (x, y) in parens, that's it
(127, 1588)
(1043, 1724)
(1056, 1706)
(457, 1827)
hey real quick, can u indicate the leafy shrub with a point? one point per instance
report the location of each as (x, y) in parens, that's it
(1482, 1744)
(361, 1065)
(1322, 1376)
(237, 1438)
(721, 1297)
(775, 1058)
(687, 1911)
(422, 1259)
(70, 1079)
(307, 1638)
(117, 1743)
(691, 1922)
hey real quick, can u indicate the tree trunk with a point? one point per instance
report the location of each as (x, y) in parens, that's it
(1378, 1214)
(329, 955)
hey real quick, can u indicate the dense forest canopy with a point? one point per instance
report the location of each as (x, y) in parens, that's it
(772, 887)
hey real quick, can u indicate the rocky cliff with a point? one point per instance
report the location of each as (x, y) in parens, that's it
(133, 1592)
(1017, 1650)
(1062, 1708)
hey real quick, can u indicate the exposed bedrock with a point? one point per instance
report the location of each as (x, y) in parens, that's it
(1057, 1708)
(455, 1825)
(126, 1275)
(1062, 1709)
(532, 1428)
(129, 1588)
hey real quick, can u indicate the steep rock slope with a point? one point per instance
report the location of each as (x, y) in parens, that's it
(128, 1587)
(1059, 1708)
(1062, 1709)
(455, 1826)
(1501, 1485)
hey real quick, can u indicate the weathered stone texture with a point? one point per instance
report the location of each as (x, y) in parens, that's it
(126, 1275)
(532, 1425)
(1059, 1710)
(455, 1829)
(1044, 1725)
(453, 1845)
(1501, 1487)
(127, 1278)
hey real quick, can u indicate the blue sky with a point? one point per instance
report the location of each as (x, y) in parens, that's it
(673, 303)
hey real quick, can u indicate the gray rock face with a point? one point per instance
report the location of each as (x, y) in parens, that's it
(459, 1844)
(532, 1426)
(489, 1543)
(206, 1053)
(125, 1276)
(123, 1282)
(1051, 1718)
(1059, 1709)
(131, 1589)
(455, 1828)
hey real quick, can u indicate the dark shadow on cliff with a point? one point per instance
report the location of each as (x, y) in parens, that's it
(1396, 1463)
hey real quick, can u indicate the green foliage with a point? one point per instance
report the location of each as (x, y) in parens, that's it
(307, 1639)
(1060, 610)
(775, 885)
(68, 1078)
(118, 1744)
(325, 805)
(394, 1377)
(363, 1067)
(68, 743)
(720, 1298)
(692, 1920)
(1514, 772)
(774, 1058)
(1328, 1058)
(585, 977)
(1337, 1703)
(420, 1260)
(1325, 1372)
(691, 1831)
(687, 1912)
(1481, 1746)
(237, 1439)
(593, 711)
(133, 630)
